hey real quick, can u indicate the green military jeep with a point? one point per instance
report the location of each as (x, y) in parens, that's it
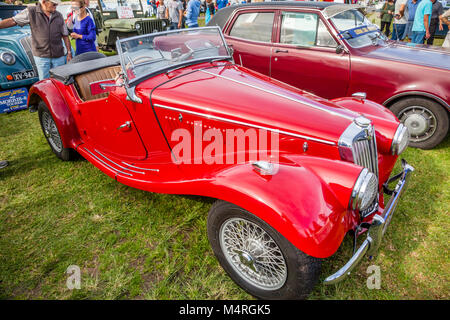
(122, 19)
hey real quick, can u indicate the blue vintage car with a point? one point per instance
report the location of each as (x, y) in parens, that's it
(17, 69)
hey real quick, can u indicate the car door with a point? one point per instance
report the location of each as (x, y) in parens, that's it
(108, 126)
(250, 36)
(305, 55)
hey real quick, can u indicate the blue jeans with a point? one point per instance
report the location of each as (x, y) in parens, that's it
(398, 31)
(44, 65)
(173, 26)
(408, 30)
(418, 36)
(193, 26)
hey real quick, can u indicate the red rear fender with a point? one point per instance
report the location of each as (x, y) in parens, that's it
(47, 92)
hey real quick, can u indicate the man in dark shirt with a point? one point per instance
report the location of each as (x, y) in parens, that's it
(47, 29)
(438, 10)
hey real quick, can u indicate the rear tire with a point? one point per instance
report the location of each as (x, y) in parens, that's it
(52, 134)
(427, 121)
(258, 258)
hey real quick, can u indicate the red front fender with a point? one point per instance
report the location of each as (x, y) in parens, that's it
(46, 91)
(296, 201)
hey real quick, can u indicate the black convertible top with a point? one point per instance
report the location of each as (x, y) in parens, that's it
(65, 73)
(221, 17)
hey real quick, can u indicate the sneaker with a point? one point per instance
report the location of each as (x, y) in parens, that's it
(3, 164)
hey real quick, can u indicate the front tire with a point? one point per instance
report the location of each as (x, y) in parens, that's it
(52, 134)
(427, 121)
(258, 258)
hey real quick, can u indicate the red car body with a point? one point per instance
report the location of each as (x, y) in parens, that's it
(129, 139)
(389, 72)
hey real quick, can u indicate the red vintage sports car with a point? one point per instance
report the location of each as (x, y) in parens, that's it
(292, 173)
(333, 50)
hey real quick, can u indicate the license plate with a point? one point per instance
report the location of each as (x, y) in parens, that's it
(22, 75)
(13, 100)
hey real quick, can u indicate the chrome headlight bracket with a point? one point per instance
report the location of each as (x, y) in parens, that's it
(400, 140)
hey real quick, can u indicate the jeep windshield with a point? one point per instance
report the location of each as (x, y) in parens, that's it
(356, 29)
(112, 5)
(144, 56)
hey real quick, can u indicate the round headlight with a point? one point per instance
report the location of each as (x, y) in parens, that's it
(7, 58)
(137, 26)
(365, 190)
(401, 140)
(163, 24)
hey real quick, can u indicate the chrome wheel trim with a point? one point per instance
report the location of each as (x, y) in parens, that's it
(51, 132)
(420, 121)
(253, 254)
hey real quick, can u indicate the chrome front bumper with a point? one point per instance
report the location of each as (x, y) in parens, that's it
(377, 227)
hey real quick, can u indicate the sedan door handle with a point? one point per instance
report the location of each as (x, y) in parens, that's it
(125, 126)
(281, 50)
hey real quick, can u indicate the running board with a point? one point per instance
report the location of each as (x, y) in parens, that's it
(123, 168)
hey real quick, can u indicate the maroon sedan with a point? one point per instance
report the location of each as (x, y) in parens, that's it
(333, 50)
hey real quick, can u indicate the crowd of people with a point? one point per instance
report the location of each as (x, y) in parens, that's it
(414, 20)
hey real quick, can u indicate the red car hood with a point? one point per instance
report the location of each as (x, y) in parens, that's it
(238, 94)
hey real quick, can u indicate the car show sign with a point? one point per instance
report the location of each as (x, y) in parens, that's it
(13, 100)
(125, 12)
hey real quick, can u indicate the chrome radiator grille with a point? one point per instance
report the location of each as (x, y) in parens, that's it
(26, 44)
(365, 152)
(358, 144)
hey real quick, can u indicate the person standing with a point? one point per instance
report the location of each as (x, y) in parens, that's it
(47, 29)
(421, 25)
(411, 7)
(444, 19)
(387, 12)
(161, 11)
(210, 10)
(84, 31)
(174, 12)
(192, 12)
(221, 4)
(71, 16)
(437, 11)
(400, 20)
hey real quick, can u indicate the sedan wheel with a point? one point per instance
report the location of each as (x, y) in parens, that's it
(426, 120)
(257, 257)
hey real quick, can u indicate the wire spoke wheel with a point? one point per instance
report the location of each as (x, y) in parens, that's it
(253, 254)
(421, 122)
(51, 132)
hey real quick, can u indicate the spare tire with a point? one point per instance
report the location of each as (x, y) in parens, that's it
(92, 55)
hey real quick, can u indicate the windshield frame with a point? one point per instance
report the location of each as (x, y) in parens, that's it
(118, 3)
(137, 80)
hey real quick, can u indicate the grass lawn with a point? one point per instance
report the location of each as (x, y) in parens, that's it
(131, 244)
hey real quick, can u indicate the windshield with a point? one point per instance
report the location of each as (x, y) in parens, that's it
(111, 5)
(354, 27)
(150, 54)
(8, 11)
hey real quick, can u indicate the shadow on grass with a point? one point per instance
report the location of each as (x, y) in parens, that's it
(400, 241)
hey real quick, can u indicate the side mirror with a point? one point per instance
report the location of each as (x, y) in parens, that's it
(340, 48)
